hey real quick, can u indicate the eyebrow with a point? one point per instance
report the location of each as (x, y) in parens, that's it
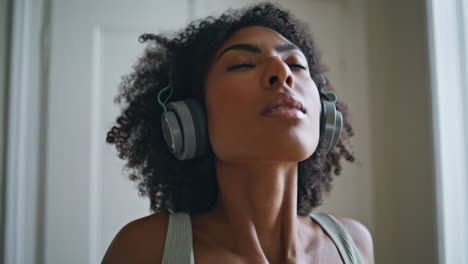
(255, 49)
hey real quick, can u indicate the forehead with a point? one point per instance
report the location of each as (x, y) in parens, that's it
(258, 35)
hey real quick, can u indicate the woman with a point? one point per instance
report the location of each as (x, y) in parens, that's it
(240, 187)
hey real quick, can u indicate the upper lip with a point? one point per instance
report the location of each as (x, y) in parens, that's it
(284, 99)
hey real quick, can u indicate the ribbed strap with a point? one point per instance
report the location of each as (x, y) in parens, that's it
(178, 248)
(343, 241)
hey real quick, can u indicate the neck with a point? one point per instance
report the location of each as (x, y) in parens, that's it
(258, 202)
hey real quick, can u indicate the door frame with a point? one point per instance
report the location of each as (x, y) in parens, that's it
(448, 47)
(24, 177)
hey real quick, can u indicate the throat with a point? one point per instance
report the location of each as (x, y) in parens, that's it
(257, 209)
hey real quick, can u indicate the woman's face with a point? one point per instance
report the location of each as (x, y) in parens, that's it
(235, 97)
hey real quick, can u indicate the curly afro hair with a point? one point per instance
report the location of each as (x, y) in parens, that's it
(190, 185)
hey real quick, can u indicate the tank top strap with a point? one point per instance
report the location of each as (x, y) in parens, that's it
(342, 239)
(178, 247)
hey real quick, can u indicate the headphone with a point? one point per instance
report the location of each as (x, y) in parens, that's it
(185, 128)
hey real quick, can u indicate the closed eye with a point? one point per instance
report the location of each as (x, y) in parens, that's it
(241, 66)
(251, 66)
(297, 66)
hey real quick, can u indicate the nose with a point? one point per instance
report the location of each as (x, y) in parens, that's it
(277, 74)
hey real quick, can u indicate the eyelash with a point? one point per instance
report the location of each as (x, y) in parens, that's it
(251, 66)
(297, 65)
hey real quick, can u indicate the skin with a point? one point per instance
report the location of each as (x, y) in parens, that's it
(256, 167)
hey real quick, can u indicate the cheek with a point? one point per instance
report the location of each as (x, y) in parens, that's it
(314, 114)
(231, 107)
(314, 108)
(232, 97)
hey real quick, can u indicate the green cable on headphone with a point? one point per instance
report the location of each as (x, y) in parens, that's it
(335, 98)
(165, 101)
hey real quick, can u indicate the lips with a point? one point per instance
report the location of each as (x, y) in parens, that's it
(284, 99)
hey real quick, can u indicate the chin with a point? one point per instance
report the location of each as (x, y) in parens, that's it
(297, 155)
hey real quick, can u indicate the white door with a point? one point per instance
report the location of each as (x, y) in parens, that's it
(88, 198)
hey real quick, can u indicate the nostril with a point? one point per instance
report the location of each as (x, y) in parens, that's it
(273, 79)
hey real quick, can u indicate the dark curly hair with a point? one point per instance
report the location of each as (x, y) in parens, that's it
(190, 185)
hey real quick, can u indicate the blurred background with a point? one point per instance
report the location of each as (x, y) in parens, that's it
(399, 64)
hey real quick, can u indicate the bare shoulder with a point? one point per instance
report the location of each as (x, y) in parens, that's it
(360, 235)
(140, 241)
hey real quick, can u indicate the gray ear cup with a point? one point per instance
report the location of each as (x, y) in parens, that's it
(172, 132)
(331, 122)
(184, 129)
(337, 130)
(200, 125)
